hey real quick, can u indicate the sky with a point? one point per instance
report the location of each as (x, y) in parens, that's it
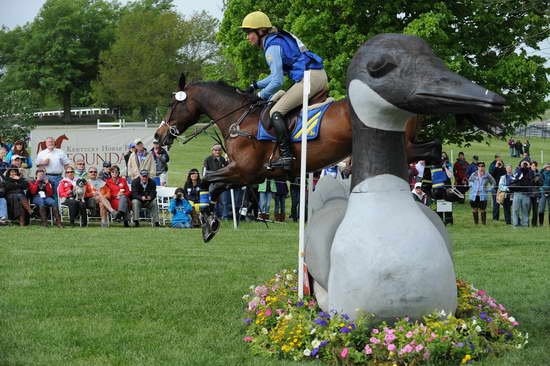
(19, 12)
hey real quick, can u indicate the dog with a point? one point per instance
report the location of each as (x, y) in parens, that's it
(80, 189)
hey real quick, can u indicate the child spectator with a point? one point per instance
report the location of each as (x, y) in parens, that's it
(180, 210)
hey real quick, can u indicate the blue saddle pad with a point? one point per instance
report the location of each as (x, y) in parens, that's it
(314, 118)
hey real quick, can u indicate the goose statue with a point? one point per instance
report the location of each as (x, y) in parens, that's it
(376, 249)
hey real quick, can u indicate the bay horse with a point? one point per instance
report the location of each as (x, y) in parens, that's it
(225, 104)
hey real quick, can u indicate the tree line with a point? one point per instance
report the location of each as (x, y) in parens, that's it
(96, 52)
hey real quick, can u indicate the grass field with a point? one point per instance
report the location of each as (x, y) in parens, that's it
(145, 296)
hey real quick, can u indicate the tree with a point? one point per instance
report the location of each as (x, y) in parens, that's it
(482, 40)
(59, 51)
(152, 48)
(16, 114)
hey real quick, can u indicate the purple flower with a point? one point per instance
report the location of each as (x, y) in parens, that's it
(248, 320)
(315, 351)
(323, 343)
(324, 315)
(460, 344)
(299, 304)
(321, 322)
(483, 315)
(488, 320)
(345, 330)
(345, 316)
(294, 288)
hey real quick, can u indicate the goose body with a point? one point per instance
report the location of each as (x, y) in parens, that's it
(383, 252)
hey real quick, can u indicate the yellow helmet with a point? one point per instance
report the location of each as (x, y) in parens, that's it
(256, 20)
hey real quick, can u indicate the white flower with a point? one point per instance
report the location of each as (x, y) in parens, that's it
(518, 346)
(316, 343)
(307, 352)
(289, 277)
(526, 335)
(512, 319)
(252, 287)
(442, 313)
(464, 326)
(478, 329)
(245, 297)
(312, 331)
(288, 316)
(474, 322)
(264, 330)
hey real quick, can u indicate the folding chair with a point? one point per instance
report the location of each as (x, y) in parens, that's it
(163, 201)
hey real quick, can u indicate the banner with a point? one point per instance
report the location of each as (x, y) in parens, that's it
(90, 144)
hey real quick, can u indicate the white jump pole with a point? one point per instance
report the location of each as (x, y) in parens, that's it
(541, 158)
(233, 208)
(303, 170)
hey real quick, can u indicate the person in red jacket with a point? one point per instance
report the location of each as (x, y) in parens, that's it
(120, 193)
(73, 193)
(42, 196)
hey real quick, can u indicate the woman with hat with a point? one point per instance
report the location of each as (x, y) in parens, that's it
(285, 54)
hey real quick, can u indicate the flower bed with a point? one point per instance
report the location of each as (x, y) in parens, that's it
(281, 325)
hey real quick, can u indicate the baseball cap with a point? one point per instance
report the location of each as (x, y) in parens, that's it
(144, 172)
(417, 185)
(138, 141)
(217, 147)
(156, 142)
(106, 164)
(13, 157)
(131, 146)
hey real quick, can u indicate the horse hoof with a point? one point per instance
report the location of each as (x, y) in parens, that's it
(214, 224)
(207, 234)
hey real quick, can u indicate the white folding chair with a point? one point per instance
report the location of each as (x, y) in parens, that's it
(163, 201)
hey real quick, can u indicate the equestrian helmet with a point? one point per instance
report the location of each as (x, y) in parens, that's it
(256, 20)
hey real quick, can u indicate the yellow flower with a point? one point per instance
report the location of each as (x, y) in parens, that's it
(466, 359)
(342, 325)
(285, 348)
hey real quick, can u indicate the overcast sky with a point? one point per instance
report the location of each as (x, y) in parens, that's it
(19, 12)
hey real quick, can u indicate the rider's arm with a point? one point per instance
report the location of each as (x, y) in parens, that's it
(271, 84)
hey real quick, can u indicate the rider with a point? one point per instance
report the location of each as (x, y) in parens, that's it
(285, 54)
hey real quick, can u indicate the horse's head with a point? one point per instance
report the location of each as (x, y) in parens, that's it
(183, 112)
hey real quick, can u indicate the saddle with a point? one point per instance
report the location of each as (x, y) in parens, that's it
(291, 116)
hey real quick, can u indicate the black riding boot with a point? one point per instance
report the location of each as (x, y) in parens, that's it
(209, 223)
(283, 139)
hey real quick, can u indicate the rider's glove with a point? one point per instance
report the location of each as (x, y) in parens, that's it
(251, 88)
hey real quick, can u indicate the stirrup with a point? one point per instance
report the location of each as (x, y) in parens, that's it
(283, 162)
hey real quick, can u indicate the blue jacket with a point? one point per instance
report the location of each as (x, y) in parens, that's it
(284, 50)
(180, 211)
(472, 168)
(545, 175)
(480, 186)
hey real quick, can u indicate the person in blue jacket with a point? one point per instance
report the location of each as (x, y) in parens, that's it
(285, 54)
(180, 210)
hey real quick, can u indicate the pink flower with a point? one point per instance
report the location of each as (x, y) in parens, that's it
(481, 292)
(388, 331)
(253, 303)
(374, 340)
(268, 312)
(391, 347)
(419, 348)
(375, 331)
(401, 329)
(426, 355)
(408, 348)
(261, 291)
(344, 352)
(248, 339)
(409, 334)
(433, 335)
(515, 323)
(389, 338)
(368, 350)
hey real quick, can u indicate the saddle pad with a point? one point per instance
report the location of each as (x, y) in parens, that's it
(314, 117)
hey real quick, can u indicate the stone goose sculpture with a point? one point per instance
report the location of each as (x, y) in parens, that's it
(376, 249)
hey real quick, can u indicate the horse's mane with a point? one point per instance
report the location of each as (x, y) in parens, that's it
(227, 89)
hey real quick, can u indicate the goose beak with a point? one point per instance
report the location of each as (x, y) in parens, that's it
(447, 92)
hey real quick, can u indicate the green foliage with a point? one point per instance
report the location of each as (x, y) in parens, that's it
(152, 48)
(59, 51)
(16, 114)
(476, 38)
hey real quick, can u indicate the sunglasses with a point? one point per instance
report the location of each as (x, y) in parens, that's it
(93, 171)
(69, 171)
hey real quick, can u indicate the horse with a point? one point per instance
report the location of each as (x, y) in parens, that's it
(225, 104)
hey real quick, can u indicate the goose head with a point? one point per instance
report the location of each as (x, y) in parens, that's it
(395, 76)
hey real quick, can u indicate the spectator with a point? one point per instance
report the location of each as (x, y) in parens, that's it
(3, 202)
(144, 194)
(17, 201)
(131, 149)
(191, 192)
(19, 149)
(266, 189)
(42, 196)
(419, 195)
(519, 148)
(73, 192)
(535, 193)
(281, 194)
(544, 193)
(481, 184)
(460, 168)
(445, 161)
(504, 186)
(527, 147)
(420, 166)
(521, 184)
(413, 175)
(3, 163)
(105, 171)
(80, 169)
(494, 163)
(512, 147)
(295, 199)
(472, 168)
(346, 172)
(141, 160)
(497, 172)
(161, 163)
(120, 194)
(54, 161)
(212, 163)
(180, 210)
(17, 163)
(100, 199)
(4, 145)
(526, 157)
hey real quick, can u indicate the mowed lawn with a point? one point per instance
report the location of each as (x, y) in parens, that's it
(156, 296)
